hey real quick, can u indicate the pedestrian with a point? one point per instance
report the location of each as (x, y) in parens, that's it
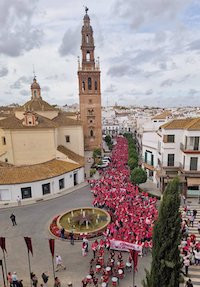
(191, 219)
(14, 279)
(94, 246)
(19, 201)
(20, 284)
(9, 278)
(189, 283)
(186, 263)
(84, 249)
(13, 219)
(194, 213)
(198, 227)
(197, 256)
(45, 278)
(59, 265)
(57, 282)
(71, 236)
(62, 233)
(34, 279)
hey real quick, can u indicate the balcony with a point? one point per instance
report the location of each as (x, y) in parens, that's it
(190, 149)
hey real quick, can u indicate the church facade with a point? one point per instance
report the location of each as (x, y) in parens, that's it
(41, 150)
(89, 89)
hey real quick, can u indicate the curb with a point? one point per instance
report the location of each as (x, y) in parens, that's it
(42, 199)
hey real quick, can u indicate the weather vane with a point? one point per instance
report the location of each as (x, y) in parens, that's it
(86, 9)
(34, 72)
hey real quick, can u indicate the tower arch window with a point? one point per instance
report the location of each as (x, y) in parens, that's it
(35, 93)
(95, 85)
(91, 133)
(83, 85)
(87, 39)
(89, 84)
(88, 56)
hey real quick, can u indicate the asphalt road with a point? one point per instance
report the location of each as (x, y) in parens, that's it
(33, 221)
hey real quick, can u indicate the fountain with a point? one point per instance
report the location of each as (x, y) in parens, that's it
(92, 221)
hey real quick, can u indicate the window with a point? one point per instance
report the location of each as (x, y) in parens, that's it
(83, 86)
(6, 160)
(88, 56)
(170, 138)
(26, 192)
(67, 139)
(87, 39)
(193, 163)
(149, 158)
(90, 112)
(91, 133)
(89, 84)
(61, 183)
(35, 93)
(90, 101)
(95, 85)
(170, 161)
(46, 188)
(3, 141)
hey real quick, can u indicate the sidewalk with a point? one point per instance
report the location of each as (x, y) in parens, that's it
(24, 202)
(150, 187)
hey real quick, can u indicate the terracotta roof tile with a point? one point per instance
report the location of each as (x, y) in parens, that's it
(36, 105)
(71, 155)
(30, 173)
(12, 122)
(162, 116)
(179, 124)
(63, 120)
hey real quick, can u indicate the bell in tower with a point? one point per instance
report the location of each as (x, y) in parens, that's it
(89, 88)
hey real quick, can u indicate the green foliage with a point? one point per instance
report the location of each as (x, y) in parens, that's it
(92, 171)
(166, 263)
(96, 153)
(108, 141)
(138, 175)
(132, 163)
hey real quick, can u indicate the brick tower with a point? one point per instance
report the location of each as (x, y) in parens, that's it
(89, 89)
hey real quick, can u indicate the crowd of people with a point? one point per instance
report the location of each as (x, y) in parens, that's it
(190, 246)
(106, 266)
(132, 213)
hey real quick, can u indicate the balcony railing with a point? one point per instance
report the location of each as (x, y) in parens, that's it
(189, 148)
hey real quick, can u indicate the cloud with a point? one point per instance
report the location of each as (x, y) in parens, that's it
(195, 45)
(122, 70)
(46, 88)
(17, 33)
(193, 92)
(3, 72)
(149, 92)
(110, 89)
(167, 83)
(24, 93)
(70, 42)
(144, 11)
(20, 82)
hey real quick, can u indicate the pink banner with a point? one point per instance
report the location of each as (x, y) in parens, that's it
(124, 246)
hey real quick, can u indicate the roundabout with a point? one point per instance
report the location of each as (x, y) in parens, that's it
(82, 221)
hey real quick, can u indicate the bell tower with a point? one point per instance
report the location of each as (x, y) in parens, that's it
(89, 89)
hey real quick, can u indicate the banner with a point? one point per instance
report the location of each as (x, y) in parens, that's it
(29, 244)
(124, 246)
(134, 256)
(3, 243)
(52, 246)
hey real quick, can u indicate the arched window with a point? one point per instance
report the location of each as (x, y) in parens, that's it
(89, 84)
(88, 56)
(83, 86)
(35, 93)
(91, 133)
(87, 39)
(95, 85)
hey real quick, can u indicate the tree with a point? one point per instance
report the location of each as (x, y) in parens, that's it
(132, 163)
(166, 263)
(108, 139)
(138, 175)
(96, 154)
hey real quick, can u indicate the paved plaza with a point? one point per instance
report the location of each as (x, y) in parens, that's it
(33, 220)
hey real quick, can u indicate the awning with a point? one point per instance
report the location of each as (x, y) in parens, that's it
(193, 181)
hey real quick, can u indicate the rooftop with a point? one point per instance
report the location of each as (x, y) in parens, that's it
(30, 173)
(186, 124)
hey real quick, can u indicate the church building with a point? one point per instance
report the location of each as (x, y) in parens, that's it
(41, 150)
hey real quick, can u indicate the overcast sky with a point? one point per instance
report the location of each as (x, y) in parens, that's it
(149, 50)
